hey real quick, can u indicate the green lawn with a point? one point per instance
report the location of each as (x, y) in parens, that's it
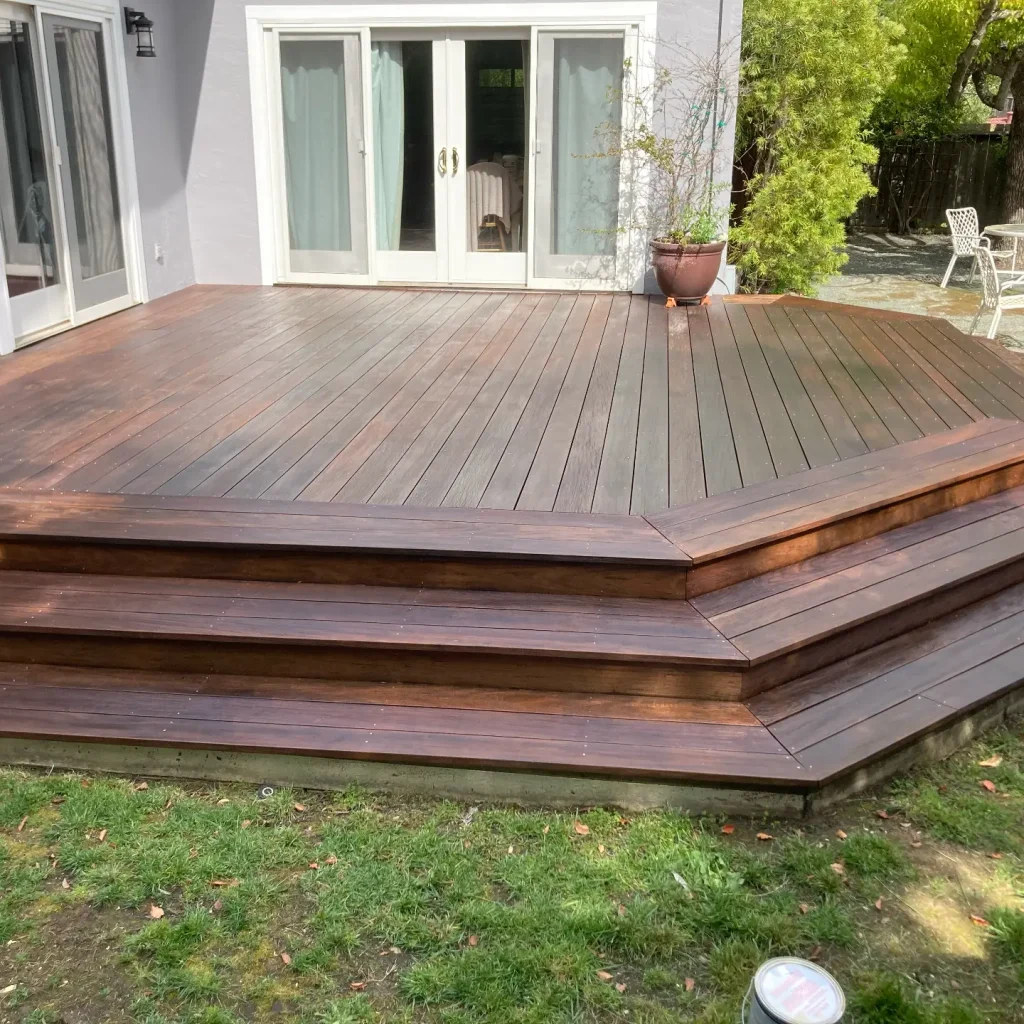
(161, 903)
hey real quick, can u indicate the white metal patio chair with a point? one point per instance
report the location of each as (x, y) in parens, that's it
(963, 226)
(995, 295)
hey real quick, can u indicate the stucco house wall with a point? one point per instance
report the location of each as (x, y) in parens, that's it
(193, 131)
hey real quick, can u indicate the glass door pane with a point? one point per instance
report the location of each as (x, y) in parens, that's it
(322, 143)
(579, 115)
(489, 104)
(81, 108)
(27, 225)
(410, 156)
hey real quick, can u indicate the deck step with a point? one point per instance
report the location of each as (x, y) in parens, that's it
(467, 638)
(799, 618)
(748, 532)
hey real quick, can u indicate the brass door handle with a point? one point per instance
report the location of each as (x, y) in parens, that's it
(442, 162)
(455, 161)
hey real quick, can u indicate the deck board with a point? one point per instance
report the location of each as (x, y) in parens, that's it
(516, 400)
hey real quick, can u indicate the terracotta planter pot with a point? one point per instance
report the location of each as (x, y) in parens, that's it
(686, 272)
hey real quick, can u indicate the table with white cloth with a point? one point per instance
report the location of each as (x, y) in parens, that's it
(1014, 232)
(492, 192)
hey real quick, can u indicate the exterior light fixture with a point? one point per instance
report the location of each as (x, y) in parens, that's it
(136, 23)
(791, 991)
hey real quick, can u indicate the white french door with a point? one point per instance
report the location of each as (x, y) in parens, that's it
(457, 155)
(61, 205)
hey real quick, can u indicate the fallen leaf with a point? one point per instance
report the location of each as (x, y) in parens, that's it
(882, 814)
(580, 829)
(838, 868)
(621, 910)
(140, 786)
(21, 824)
(620, 986)
(169, 804)
(804, 907)
(979, 921)
(600, 848)
(474, 940)
(223, 801)
(394, 949)
(217, 905)
(330, 860)
(285, 959)
(915, 845)
(225, 883)
(878, 903)
(546, 829)
(300, 807)
(840, 833)
(764, 837)
(6, 991)
(688, 984)
(992, 762)
(989, 785)
(727, 830)
(313, 866)
(156, 912)
(466, 844)
(86, 783)
(511, 849)
(357, 986)
(814, 953)
(604, 975)
(246, 823)
(102, 835)
(65, 884)
(996, 856)
(57, 800)
(679, 878)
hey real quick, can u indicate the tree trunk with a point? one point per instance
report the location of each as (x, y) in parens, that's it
(989, 12)
(1013, 195)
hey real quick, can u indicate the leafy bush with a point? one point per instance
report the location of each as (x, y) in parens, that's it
(812, 71)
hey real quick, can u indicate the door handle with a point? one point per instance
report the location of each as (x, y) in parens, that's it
(442, 162)
(455, 161)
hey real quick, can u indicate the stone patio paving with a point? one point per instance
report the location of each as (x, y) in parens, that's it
(903, 273)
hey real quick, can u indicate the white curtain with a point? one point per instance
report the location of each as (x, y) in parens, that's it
(389, 140)
(316, 144)
(588, 83)
(80, 69)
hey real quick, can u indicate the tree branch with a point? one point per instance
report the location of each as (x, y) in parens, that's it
(990, 13)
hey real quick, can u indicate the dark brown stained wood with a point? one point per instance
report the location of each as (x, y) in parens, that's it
(686, 463)
(802, 302)
(427, 397)
(870, 343)
(1002, 640)
(861, 367)
(786, 453)
(983, 683)
(615, 476)
(993, 356)
(752, 452)
(839, 422)
(475, 698)
(443, 468)
(424, 747)
(721, 464)
(541, 487)
(784, 701)
(469, 485)
(580, 478)
(868, 740)
(505, 486)
(651, 470)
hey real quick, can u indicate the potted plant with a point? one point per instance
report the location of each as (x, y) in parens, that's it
(686, 259)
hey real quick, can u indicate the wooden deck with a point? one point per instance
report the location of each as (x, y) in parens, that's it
(758, 545)
(573, 403)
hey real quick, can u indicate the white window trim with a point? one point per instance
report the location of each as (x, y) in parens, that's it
(259, 19)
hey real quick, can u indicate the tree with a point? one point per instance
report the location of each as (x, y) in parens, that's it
(812, 71)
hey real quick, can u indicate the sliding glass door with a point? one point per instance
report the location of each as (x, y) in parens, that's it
(578, 186)
(320, 166)
(28, 225)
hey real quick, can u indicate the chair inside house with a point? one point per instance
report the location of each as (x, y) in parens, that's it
(996, 295)
(963, 226)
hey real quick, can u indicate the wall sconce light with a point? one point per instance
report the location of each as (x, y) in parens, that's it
(136, 23)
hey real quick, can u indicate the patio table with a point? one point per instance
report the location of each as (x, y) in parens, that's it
(1015, 232)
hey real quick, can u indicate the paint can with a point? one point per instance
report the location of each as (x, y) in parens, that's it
(788, 990)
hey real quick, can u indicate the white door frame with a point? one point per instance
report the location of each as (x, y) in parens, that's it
(636, 16)
(108, 14)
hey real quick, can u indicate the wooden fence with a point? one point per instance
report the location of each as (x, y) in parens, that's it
(918, 182)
